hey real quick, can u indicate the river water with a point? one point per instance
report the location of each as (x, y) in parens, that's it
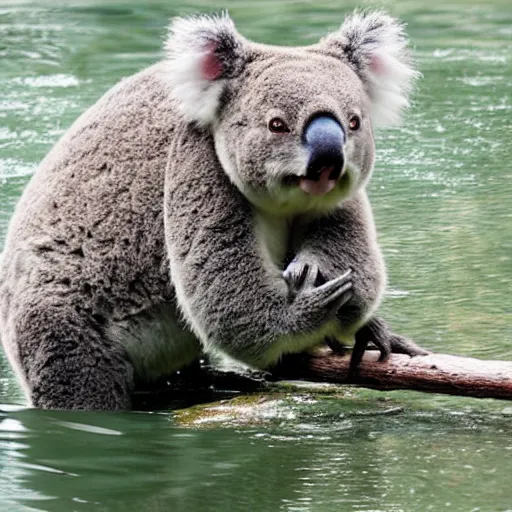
(441, 194)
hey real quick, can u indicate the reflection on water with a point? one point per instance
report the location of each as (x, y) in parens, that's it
(353, 458)
(441, 194)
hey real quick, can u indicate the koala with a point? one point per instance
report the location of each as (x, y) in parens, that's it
(212, 202)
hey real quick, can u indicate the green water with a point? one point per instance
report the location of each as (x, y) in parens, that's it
(441, 194)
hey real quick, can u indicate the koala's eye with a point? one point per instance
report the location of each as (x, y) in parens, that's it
(277, 125)
(354, 123)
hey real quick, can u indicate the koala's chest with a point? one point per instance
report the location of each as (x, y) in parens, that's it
(273, 234)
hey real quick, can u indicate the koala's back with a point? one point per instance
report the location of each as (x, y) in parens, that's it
(88, 231)
(93, 212)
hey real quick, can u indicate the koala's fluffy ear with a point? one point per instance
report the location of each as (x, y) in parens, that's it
(375, 45)
(203, 52)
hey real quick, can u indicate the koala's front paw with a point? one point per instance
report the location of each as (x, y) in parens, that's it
(314, 304)
(299, 275)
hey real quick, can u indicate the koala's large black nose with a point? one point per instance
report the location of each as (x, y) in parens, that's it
(324, 138)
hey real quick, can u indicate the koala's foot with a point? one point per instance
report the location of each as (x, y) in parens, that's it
(313, 300)
(378, 333)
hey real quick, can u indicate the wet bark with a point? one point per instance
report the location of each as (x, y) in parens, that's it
(435, 373)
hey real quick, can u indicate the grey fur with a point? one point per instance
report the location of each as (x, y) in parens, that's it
(175, 170)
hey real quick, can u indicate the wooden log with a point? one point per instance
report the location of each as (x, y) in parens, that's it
(434, 373)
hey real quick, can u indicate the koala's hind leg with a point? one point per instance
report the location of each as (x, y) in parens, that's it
(67, 362)
(377, 332)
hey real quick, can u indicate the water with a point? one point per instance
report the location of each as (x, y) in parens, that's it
(441, 194)
(417, 460)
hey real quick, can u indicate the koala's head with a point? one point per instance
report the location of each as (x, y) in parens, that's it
(292, 125)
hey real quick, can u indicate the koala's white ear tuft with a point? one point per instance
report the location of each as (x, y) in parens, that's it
(203, 52)
(375, 45)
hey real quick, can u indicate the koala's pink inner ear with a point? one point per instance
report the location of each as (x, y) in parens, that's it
(211, 66)
(377, 65)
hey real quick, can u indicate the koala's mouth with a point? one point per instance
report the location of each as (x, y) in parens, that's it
(319, 183)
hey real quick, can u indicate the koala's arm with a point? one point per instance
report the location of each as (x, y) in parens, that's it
(341, 240)
(347, 239)
(230, 293)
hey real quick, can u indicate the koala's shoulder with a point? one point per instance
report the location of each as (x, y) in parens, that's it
(138, 105)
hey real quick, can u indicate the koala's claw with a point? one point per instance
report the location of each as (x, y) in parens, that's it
(299, 276)
(313, 297)
(378, 333)
(338, 288)
(314, 300)
(328, 296)
(336, 346)
(402, 345)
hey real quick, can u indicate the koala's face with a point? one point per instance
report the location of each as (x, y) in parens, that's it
(292, 126)
(294, 132)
